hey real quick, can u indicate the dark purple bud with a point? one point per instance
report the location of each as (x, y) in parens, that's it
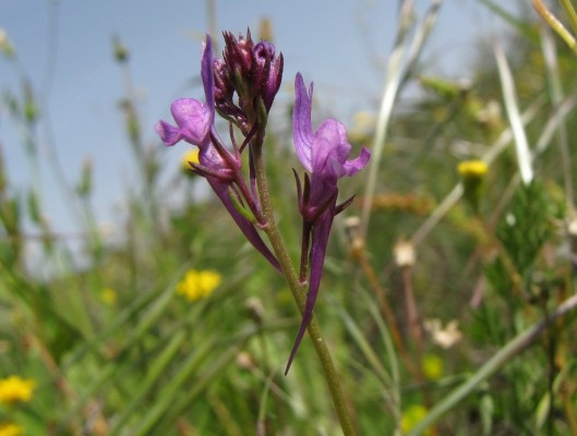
(247, 79)
(269, 71)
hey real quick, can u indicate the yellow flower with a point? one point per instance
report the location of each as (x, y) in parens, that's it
(108, 296)
(14, 389)
(432, 366)
(472, 168)
(472, 173)
(191, 156)
(198, 284)
(411, 416)
(10, 429)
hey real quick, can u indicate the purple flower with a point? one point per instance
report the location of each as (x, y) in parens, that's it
(325, 154)
(221, 167)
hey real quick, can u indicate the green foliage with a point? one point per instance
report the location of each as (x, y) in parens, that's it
(526, 226)
(114, 350)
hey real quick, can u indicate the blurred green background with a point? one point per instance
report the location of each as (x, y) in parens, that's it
(165, 321)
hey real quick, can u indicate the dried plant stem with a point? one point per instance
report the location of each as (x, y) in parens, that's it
(415, 330)
(555, 24)
(388, 313)
(298, 291)
(555, 83)
(412, 312)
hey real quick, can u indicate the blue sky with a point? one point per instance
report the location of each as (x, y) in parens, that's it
(64, 47)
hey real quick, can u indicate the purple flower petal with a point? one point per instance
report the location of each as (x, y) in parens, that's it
(330, 149)
(169, 134)
(302, 128)
(353, 166)
(326, 151)
(207, 74)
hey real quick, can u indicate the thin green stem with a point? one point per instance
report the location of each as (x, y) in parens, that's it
(570, 11)
(298, 291)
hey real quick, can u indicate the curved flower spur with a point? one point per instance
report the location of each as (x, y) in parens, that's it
(325, 155)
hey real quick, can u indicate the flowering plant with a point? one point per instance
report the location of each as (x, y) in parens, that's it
(241, 87)
(220, 166)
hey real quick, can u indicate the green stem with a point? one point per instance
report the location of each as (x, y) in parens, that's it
(512, 348)
(298, 291)
(570, 10)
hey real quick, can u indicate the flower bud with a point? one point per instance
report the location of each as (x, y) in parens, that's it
(251, 71)
(472, 174)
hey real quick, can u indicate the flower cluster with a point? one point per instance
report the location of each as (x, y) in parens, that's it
(220, 166)
(241, 87)
(247, 79)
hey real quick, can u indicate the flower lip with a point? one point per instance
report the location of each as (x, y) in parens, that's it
(193, 118)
